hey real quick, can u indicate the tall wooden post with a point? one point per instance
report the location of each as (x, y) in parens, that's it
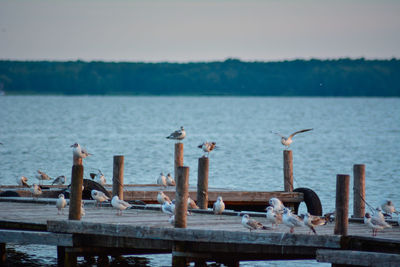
(118, 177)
(359, 191)
(181, 196)
(178, 158)
(342, 204)
(202, 183)
(288, 170)
(75, 198)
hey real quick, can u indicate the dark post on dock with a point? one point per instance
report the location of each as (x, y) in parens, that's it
(178, 158)
(75, 198)
(118, 177)
(359, 191)
(181, 195)
(342, 204)
(202, 183)
(288, 170)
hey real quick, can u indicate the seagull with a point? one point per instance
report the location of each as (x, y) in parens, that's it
(207, 147)
(375, 223)
(168, 208)
(291, 220)
(161, 198)
(277, 205)
(60, 180)
(177, 135)
(192, 205)
(79, 151)
(218, 206)
(36, 190)
(99, 196)
(41, 176)
(252, 224)
(170, 180)
(162, 180)
(100, 178)
(313, 221)
(23, 181)
(61, 203)
(120, 205)
(286, 141)
(388, 207)
(378, 215)
(273, 217)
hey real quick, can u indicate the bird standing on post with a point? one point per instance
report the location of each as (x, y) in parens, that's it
(177, 135)
(286, 141)
(207, 147)
(79, 151)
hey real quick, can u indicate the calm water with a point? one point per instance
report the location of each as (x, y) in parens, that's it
(37, 133)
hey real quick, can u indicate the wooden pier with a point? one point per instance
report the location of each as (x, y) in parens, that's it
(207, 237)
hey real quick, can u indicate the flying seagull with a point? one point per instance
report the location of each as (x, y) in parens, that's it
(286, 141)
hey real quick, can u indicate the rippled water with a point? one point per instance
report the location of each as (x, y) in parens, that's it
(37, 132)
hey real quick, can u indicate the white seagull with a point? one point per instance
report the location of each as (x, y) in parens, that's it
(286, 141)
(170, 180)
(375, 223)
(79, 151)
(177, 135)
(41, 176)
(273, 217)
(60, 180)
(276, 204)
(119, 204)
(291, 220)
(23, 181)
(168, 208)
(161, 198)
(251, 224)
(36, 190)
(100, 178)
(388, 207)
(99, 197)
(207, 147)
(61, 203)
(219, 206)
(162, 180)
(312, 221)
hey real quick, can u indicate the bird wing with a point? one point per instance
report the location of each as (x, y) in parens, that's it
(277, 133)
(294, 220)
(124, 203)
(254, 224)
(301, 131)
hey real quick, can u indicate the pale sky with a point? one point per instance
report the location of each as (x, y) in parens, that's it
(198, 30)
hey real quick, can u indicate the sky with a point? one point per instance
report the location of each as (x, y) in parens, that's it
(198, 30)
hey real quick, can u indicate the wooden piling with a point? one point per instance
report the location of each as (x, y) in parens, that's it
(202, 183)
(359, 191)
(118, 177)
(342, 204)
(181, 197)
(178, 158)
(3, 253)
(179, 260)
(75, 198)
(77, 160)
(288, 170)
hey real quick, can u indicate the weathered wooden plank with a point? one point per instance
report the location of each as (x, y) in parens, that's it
(33, 237)
(349, 257)
(375, 244)
(15, 225)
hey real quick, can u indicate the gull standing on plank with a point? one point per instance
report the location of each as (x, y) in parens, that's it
(41, 176)
(191, 204)
(273, 217)
(36, 190)
(286, 141)
(375, 224)
(388, 207)
(313, 221)
(168, 208)
(252, 224)
(276, 204)
(162, 180)
(79, 151)
(161, 198)
(170, 180)
(60, 180)
(99, 197)
(23, 181)
(61, 203)
(177, 135)
(219, 206)
(119, 204)
(291, 220)
(207, 147)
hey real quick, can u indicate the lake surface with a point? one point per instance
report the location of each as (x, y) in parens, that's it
(37, 131)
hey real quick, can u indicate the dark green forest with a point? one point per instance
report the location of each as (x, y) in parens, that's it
(341, 77)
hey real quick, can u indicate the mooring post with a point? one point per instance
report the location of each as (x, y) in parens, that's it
(118, 177)
(3, 254)
(178, 158)
(342, 204)
(75, 197)
(202, 183)
(359, 191)
(288, 170)
(181, 197)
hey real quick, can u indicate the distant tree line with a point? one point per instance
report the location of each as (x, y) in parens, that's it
(342, 77)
